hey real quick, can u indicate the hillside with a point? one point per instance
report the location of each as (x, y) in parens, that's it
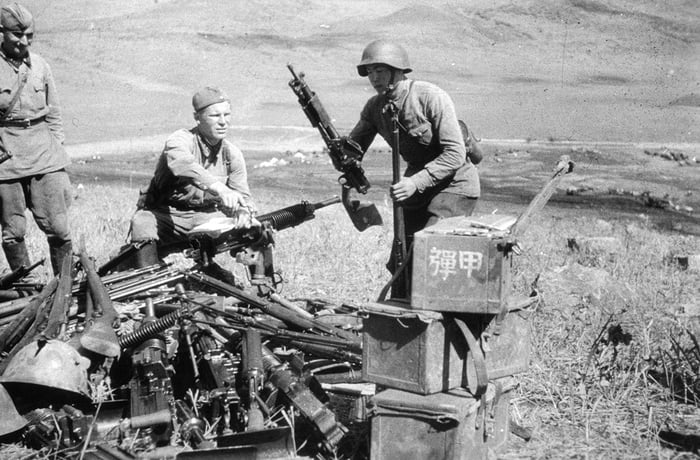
(610, 70)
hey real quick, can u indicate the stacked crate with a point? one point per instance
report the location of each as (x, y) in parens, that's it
(447, 357)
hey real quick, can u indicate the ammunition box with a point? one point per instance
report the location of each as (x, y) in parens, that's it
(425, 352)
(441, 426)
(462, 264)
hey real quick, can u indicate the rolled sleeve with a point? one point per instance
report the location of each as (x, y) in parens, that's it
(365, 130)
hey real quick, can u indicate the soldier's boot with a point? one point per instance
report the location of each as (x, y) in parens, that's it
(16, 254)
(59, 250)
(147, 255)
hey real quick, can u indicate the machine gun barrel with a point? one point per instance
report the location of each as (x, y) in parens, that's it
(236, 240)
(294, 215)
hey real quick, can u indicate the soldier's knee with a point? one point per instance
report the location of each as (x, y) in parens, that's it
(55, 226)
(144, 226)
(14, 231)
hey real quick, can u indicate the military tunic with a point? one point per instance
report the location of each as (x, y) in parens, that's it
(178, 197)
(431, 143)
(32, 133)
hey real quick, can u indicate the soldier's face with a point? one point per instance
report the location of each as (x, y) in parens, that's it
(16, 43)
(214, 121)
(379, 77)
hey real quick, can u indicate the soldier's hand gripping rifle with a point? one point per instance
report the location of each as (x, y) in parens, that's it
(345, 154)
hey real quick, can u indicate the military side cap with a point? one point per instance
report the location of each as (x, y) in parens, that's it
(15, 17)
(208, 96)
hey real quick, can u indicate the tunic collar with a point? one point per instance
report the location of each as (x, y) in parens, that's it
(14, 62)
(399, 93)
(209, 153)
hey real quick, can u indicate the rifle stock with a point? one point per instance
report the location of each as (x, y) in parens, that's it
(99, 335)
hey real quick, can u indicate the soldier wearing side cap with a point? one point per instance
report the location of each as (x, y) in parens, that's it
(198, 176)
(441, 179)
(31, 137)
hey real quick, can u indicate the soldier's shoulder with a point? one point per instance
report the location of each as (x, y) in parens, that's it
(427, 87)
(181, 136)
(373, 103)
(232, 148)
(37, 59)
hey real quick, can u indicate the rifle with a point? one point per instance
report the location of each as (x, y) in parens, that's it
(16, 275)
(345, 153)
(99, 335)
(399, 283)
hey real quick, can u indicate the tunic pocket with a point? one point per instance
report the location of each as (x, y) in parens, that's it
(421, 133)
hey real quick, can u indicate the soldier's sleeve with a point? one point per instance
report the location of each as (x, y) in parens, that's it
(365, 131)
(237, 174)
(440, 112)
(179, 153)
(53, 116)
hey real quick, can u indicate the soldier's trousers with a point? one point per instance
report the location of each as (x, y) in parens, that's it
(167, 225)
(48, 196)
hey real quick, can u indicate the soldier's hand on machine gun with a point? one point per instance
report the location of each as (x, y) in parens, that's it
(243, 218)
(349, 152)
(231, 200)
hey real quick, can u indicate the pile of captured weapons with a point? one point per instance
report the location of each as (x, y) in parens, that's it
(159, 362)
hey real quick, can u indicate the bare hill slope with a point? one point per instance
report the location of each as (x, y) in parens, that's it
(580, 69)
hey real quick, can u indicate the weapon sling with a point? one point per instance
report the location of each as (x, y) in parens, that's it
(5, 154)
(15, 97)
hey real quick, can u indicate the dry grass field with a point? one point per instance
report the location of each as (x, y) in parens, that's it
(615, 366)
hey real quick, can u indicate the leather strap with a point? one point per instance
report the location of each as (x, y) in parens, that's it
(15, 97)
(482, 378)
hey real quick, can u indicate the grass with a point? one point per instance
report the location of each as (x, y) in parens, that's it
(612, 365)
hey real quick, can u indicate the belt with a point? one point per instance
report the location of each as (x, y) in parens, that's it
(26, 123)
(180, 206)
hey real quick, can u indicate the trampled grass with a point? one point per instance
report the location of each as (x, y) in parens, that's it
(611, 368)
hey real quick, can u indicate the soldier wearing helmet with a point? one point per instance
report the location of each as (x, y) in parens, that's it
(440, 180)
(31, 135)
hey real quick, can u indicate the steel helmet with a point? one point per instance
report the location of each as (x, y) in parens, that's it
(10, 421)
(384, 52)
(51, 363)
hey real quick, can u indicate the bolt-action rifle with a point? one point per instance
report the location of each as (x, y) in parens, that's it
(17, 274)
(345, 153)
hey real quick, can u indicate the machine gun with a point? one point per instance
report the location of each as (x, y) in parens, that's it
(345, 153)
(208, 240)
